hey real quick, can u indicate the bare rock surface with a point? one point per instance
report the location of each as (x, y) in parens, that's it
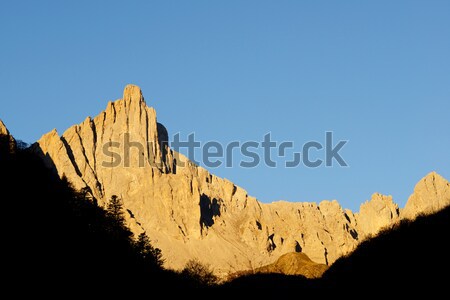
(190, 213)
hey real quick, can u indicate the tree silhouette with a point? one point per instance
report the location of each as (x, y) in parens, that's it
(114, 211)
(202, 274)
(86, 193)
(149, 254)
(115, 214)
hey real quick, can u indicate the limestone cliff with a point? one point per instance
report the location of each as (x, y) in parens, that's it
(431, 194)
(379, 212)
(190, 213)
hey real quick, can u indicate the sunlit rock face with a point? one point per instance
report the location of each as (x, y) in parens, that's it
(190, 213)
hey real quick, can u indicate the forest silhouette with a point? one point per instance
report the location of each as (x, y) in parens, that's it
(57, 236)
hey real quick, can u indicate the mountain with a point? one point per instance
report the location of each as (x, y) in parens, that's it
(60, 236)
(190, 213)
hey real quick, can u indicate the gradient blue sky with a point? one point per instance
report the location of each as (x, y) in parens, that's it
(377, 73)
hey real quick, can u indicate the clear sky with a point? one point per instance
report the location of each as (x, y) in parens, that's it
(376, 73)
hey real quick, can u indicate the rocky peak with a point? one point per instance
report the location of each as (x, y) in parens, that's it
(3, 129)
(7, 142)
(431, 194)
(133, 94)
(379, 212)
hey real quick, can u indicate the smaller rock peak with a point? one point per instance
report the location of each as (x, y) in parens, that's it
(7, 142)
(431, 181)
(382, 198)
(49, 136)
(431, 194)
(133, 93)
(432, 176)
(54, 132)
(3, 129)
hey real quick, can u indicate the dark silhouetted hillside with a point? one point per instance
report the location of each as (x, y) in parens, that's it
(55, 238)
(413, 252)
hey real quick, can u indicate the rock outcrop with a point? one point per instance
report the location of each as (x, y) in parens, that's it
(7, 142)
(379, 212)
(190, 213)
(431, 194)
(294, 263)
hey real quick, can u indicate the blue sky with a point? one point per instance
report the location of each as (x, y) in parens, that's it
(376, 73)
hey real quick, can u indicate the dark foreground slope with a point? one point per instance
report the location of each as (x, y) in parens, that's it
(57, 239)
(415, 253)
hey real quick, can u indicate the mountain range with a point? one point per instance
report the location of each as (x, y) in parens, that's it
(190, 213)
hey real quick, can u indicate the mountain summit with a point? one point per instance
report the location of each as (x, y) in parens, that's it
(431, 194)
(190, 213)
